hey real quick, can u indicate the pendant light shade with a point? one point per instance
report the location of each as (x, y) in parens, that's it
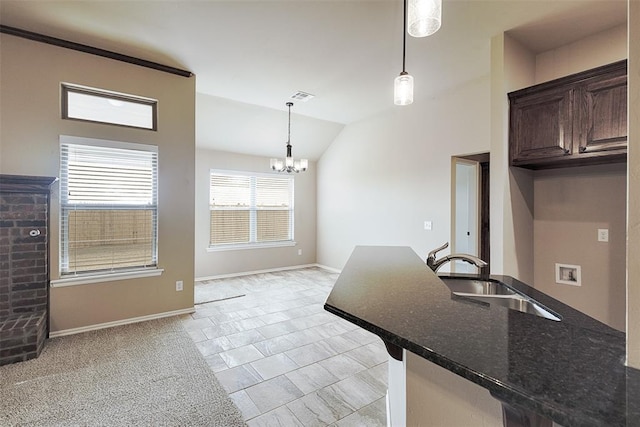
(288, 164)
(403, 89)
(403, 84)
(424, 16)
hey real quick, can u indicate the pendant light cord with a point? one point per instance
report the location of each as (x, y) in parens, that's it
(404, 35)
(289, 104)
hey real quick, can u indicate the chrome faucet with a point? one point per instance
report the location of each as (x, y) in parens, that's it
(434, 264)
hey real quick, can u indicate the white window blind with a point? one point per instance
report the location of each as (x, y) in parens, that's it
(108, 200)
(250, 209)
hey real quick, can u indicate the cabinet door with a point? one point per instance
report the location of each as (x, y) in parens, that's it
(540, 126)
(603, 115)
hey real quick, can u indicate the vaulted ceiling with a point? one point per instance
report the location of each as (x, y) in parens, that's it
(249, 57)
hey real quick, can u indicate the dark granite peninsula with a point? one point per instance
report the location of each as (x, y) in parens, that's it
(570, 371)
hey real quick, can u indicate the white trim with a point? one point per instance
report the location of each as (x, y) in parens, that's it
(105, 277)
(331, 269)
(94, 142)
(248, 273)
(120, 322)
(242, 246)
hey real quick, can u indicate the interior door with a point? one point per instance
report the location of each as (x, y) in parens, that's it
(466, 212)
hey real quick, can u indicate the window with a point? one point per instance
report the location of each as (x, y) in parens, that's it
(250, 209)
(108, 205)
(96, 105)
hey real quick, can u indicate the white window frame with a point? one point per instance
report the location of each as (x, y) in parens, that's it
(68, 278)
(252, 244)
(108, 106)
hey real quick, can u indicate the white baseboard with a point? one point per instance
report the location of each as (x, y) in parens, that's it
(120, 322)
(269, 270)
(331, 269)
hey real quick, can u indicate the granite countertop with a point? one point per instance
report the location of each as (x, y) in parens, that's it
(570, 371)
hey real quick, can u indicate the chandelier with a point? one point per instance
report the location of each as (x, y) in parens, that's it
(288, 164)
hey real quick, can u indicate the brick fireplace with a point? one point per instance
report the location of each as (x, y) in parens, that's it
(24, 267)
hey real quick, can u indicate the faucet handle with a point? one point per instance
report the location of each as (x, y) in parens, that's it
(432, 254)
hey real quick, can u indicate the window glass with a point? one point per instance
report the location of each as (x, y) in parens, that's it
(108, 203)
(95, 105)
(250, 208)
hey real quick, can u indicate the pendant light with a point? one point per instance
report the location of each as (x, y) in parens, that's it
(288, 164)
(425, 17)
(403, 84)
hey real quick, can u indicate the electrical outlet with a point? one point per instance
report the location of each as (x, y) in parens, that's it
(428, 225)
(603, 234)
(299, 251)
(179, 285)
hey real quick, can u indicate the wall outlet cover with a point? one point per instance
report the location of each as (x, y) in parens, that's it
(603, 234)
(179, 285)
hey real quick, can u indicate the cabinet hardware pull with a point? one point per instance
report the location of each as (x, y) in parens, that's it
(566, 151)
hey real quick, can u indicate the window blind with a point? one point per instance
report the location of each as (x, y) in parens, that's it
(249, 209)
(108, 205)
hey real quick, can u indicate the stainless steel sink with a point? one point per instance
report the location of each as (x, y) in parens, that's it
(477, 287)
(493, 292)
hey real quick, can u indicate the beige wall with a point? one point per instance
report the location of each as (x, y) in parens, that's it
(384, 176)
(570, 206)
(633, 231)
(598, 49)
(210, 264)
(438, 397)
(596, 196)
(511, 193)
(523, 218)
(31, 74)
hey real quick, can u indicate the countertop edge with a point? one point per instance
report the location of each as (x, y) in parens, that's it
(498, 389)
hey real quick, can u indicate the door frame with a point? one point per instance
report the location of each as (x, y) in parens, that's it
(483, 244)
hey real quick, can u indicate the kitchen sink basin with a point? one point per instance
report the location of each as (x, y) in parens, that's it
(493, 292)
(477, 287)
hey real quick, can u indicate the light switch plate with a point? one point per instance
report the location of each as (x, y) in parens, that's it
(428, 225)
(603, 234)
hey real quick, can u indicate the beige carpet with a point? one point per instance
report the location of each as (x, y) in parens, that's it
(144, 374)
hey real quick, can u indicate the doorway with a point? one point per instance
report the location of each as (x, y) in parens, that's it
(470, 209)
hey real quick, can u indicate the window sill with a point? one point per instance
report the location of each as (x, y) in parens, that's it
(105, 277)
(250, 246)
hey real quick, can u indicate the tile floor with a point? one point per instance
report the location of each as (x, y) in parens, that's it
(285, 360)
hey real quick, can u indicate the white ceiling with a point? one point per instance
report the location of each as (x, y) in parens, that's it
(249, 57)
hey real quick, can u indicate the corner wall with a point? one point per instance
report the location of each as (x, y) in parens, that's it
(30, 77)
(216, 263)
(511, 193)
(633, 194)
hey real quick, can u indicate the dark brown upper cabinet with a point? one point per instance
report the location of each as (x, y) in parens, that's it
(572, 121)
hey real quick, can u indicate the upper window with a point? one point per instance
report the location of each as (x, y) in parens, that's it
(250, 209)
(108, 205)
(96, 105)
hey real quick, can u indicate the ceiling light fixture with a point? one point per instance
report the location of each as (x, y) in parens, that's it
(425, 17)
(288, 164)
(403, 84)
